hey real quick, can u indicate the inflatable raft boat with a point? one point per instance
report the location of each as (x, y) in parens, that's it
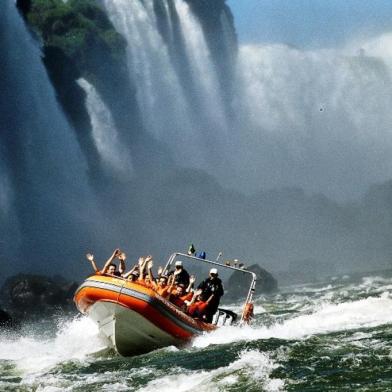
(134, 318)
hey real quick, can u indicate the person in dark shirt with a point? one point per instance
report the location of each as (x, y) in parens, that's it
(211, 293)
(181, 275)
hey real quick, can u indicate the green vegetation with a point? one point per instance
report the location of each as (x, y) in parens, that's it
(76, 27)
(79, 41)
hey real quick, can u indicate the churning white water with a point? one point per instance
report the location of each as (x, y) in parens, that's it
(341, 317)
(254, 364)
(74, 340)
(325, 318)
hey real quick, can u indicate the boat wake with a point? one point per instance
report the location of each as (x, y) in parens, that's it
(325, 318)
(63, 359)
(251, 364)
(75, 339)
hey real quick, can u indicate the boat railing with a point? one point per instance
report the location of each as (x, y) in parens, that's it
(251, 291)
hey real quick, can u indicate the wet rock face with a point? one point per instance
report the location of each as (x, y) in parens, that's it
(5, 319)
(239, 283)
(28, 295)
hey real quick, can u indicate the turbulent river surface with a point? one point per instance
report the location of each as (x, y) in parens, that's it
(334, 335)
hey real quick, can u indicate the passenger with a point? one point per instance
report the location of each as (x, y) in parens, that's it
(90, 258)
(143, 262)
(134, 271)
(110, 268)
(162, 287)
(146, 278)
(212, 291)
(159, 272)
(181, 275)
(197, 307)
(189, 290)
(147, 282)
(176, 296)
(150, 276)
(133, 276)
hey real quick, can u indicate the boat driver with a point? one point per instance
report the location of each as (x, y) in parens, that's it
(211, 292)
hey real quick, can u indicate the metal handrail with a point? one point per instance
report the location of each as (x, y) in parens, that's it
(251, 291)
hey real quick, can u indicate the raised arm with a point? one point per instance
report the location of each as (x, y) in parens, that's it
(133, 269)
(195, 296)
(142, 265)
(110, 260)
(122, 257)
(170, 283)
(192, 280)
(90, 258)
(150, 275)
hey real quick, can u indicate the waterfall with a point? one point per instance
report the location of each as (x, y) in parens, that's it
(202, 70)
(316, 119)
(299, 117)
(185, 112)
(114, 154)
(43, 186)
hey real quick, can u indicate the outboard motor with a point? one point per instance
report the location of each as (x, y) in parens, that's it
(224, 317)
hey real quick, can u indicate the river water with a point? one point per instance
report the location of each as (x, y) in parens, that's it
(334, 335)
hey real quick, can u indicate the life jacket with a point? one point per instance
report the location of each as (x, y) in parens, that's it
(198, 309)
(145, 284)
(163, 291)
(177, 301)
(187, 297)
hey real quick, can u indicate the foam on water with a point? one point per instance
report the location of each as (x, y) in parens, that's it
(74, 341)
(365, 313)
(252, 364)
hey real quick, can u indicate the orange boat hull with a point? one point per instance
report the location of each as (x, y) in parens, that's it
(134, 318)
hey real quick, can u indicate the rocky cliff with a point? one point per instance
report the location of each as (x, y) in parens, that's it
(26, 296)
(239, 283)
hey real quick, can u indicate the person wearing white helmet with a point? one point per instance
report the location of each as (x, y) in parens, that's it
(212, 291)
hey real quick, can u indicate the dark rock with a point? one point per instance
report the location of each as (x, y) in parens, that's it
(27, 296)
(5, 319)
(239, 283)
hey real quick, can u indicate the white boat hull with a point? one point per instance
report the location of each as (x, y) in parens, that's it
(127, 331)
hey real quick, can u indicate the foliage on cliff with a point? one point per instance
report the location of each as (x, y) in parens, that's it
(76, 27)
(79, 41)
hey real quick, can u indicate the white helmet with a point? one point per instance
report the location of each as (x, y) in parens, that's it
(214, 271)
